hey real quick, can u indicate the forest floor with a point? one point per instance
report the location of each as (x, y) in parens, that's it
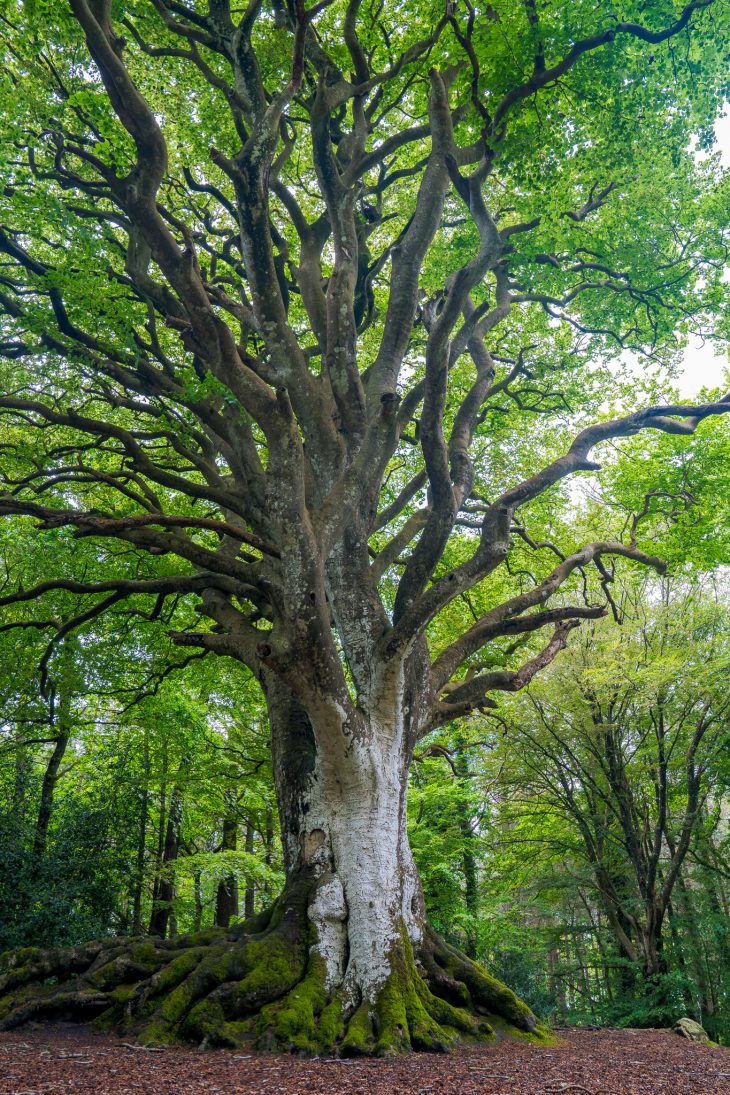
(60, 1059)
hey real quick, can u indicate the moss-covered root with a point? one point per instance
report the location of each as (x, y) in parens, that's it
(407, 1015)
(265, 991)
(207, 987)
(186, 989)
(83, 981)
(69, 980)
(456, 978)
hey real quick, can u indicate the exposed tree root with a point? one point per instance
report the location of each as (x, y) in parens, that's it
(262, 988)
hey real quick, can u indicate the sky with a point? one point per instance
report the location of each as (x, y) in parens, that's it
(703, 366)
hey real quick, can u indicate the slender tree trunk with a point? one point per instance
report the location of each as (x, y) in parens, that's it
(198, 899)
(556, 982)
(651, 941)
(697, 952)
(162, 910)
(269, 844)
(50, 778)
(161, 830)
(141, 841)
(719, 971)
(468, 853)
(250, 894)
(226, 901)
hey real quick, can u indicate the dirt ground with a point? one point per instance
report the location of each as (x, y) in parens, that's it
(62, 1059)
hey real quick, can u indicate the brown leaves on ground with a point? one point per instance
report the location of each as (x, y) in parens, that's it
(65, 1060)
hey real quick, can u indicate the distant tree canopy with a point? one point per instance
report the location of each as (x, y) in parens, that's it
(616, 765)
(307, 315)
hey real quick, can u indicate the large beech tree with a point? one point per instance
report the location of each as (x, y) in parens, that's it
(288, 292)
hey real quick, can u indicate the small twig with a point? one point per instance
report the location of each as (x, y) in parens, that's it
(569, 1088)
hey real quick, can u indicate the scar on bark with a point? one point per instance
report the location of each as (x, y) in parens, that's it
(311, 843)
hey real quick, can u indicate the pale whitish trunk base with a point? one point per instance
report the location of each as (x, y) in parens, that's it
(367, 890)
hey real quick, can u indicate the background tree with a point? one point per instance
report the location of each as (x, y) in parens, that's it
(611, 781)
(295, 322)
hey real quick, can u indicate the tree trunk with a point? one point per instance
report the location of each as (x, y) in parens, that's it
(250, 892)
(556, 982)
(345, 959)
(226, 898)
(198, 899)
(161, 918)
(651, 941)
(468, 847)
(48, 789)
(345, 823)
(50, 777)
(141, 842)
(161, 831)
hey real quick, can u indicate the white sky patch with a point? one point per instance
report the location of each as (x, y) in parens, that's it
(702, 367)
(705, 365)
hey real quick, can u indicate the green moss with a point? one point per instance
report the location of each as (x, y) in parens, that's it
(293, 1021)
(237, 1032)
(304, 1020)
(496, 997)
(23, 995)
(541, 1036)
(205, 1022)
(174, 972)
(116, 1017)
(207, 975)
(424, 1013)
(405, 1015)
(25, 956)
(14, 976)
(204, 938)
(122, 969)
(176, 1005)
(392, 1016)
(359, 1041)
(457, 1020)
(206, 987)
(273, 966)
(331, 1023)
(181, 990)
(156, 1034)
(487, 995)
(256, 924)
(145, 953)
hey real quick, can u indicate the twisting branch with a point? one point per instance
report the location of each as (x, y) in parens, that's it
(542, 76)
(93, 523)
(496, 523)
(474, 695)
